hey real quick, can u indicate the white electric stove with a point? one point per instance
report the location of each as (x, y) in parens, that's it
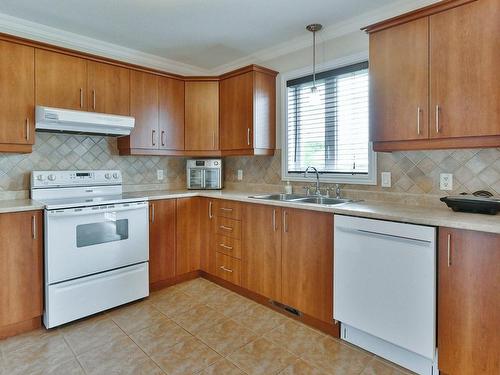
(96, 243)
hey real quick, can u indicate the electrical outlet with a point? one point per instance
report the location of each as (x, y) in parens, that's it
(386, 179)
(240, 175)
(159, 174)
(446, 181)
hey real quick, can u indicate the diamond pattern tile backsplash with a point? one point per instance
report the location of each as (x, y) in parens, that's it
(65, 152)
(414, 174)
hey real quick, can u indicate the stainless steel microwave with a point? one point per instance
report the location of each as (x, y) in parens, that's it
(204, 174)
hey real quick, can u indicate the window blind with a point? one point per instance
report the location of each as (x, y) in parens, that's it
(329, 129)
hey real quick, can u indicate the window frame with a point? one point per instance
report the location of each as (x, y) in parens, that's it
(341, 178)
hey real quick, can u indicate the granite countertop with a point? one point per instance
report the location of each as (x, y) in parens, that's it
(433, 216)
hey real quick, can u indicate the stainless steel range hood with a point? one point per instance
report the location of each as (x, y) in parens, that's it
(80, 122)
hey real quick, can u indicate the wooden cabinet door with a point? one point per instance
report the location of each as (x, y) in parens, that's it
(307, 253)
(261, 253)
(189, 237)
(144, 107)
(17, 93)
(162, 235)
(171, 108)
(108, 89)
(236, 112)
(202, 116)
(61, 80)
(21, 239)
(399, 82)
(464, 70)
(468, 302)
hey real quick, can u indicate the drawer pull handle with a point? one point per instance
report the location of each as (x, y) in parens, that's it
(449, 249)
(226, 228)
(225, 246)
(226, 209)
(226, 269)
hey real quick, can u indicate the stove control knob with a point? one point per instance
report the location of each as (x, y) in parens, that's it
(107, 176)
(115, 175)
(51, 177)
(40, 177)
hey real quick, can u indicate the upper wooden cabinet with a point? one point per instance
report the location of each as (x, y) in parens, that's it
(21, 236)
(247, 111)
(61, 80)
(434, 77)
(108, 89)
(17, 90)
(468, 302)
(171, 112)
(202, 116)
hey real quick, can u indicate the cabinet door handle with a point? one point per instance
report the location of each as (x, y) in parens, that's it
(248, 136)
(93, 100)
(81, 97)
(437, 118)
(285, 221)
(449, 249)
(226, 269)
(162, 137)
(33, 227)
(225, 246)
(27, 129)
(210, 210)
(226, 228)
(213, 140)
(274, 220)
(153, 132)
(152, 213)
(226, 209)
(419, 110)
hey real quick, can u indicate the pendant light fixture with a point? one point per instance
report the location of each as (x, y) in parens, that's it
(314, 27)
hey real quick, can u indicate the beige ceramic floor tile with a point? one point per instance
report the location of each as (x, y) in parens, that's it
(198, 287)
(294, 337)
(231, 304)
(71, 367)
(380, 367)
(174, 303)
(43, 354)
(226, 337)
(159, 337)
(187, 357)
(198, 318)
(222, 367)
(332, 356)
(262, 357)
(91, 333)
(118, 357)
(302, 368)
(155, 296)
(34, 337)
(136, 317)
(259, 319)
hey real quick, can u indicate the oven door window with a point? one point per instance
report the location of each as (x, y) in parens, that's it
(196, 178)
(212, 178)
(101, 232)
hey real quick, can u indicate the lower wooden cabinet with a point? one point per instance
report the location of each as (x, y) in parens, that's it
(307, 262)
(21, 278)
(189, 237)
(162, 236)
(468, 302)
(228, 268)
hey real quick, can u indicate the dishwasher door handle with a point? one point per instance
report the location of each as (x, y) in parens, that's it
(384, 235)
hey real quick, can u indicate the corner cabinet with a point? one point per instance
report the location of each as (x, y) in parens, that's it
(21, 275)
(434, 77)
(468, 302)
(247, 112)
(17, 101)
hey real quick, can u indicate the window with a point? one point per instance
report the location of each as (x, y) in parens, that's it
(329, 129)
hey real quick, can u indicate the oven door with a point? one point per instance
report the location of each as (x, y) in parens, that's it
(213, 178)
(196, 178)
(86, 241)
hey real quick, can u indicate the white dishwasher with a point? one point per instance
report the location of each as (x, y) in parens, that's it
(385, 289)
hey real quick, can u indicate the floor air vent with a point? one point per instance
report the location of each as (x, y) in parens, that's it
(288, 309)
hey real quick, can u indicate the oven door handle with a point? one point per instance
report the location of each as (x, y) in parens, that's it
(96, 210)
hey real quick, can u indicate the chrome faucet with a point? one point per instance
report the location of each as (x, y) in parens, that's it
(318, 191)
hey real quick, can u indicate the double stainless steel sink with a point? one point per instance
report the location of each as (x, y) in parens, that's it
(297, 198)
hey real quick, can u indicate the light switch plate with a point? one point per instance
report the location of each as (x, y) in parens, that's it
(446, 181)
(386, 179)
(159, 174)
(240, 175)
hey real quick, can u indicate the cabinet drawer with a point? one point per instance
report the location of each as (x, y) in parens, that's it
(228, 246)
(228, 227)
(228, 268)
(229, 209)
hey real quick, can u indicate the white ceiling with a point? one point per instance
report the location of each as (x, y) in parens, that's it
(202, 33)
